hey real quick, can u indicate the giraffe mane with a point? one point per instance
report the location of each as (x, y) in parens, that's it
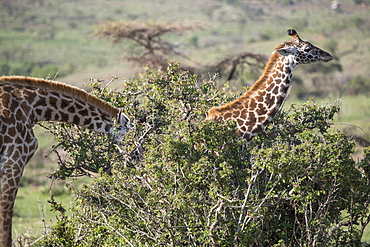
(215, 111)
(265, 74)
(62, 88)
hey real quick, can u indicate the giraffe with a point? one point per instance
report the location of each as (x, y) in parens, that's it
(24, 101)
(254, 110)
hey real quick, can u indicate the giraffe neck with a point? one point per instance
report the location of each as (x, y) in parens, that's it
(63, 108)
(47, 105)
(255, 109)
(69, 110)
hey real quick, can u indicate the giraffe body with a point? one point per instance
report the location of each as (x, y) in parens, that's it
(26, 101)
(254, 110)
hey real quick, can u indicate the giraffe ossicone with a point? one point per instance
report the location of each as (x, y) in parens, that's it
(24, 101)
(254, 110)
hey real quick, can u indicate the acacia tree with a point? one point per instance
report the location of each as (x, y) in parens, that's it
(195, 183)
(150, 47)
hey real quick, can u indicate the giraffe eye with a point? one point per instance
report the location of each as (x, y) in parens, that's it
(307, 48)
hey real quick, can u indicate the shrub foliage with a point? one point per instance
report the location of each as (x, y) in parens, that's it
(179, 181)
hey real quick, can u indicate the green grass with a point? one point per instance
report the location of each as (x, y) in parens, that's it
(355, 110)
(32, 214)
(366, 235)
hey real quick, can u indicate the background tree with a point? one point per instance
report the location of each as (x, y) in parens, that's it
(196, 183)
(230, 65)
(150, 47)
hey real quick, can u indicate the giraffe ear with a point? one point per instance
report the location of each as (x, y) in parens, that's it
(285, 51)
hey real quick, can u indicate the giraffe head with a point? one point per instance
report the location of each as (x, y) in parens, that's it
(121, 127)
(302, 51)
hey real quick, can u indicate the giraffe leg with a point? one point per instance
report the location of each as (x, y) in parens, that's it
(13, 159)
(7, 198)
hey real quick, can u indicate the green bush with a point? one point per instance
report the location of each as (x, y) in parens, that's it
(180, 181)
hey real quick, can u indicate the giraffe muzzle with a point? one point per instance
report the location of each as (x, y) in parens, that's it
(327, 57)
